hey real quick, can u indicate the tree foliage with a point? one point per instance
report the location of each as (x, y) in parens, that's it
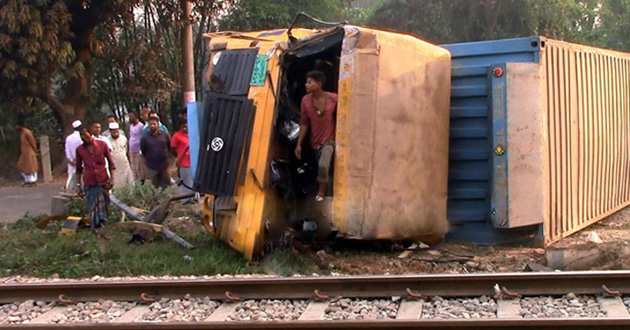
(252, 15)
(47, 48)
(81, 55)
(448, 21)
(615, 24)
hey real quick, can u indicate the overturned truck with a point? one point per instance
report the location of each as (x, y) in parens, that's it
(390, 168)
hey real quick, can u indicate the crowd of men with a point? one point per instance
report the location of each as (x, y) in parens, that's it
(99, 161)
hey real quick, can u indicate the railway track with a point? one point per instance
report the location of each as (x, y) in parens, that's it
(574, 300)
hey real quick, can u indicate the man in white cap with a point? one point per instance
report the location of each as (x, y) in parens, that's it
(72, 142)
(124, 176)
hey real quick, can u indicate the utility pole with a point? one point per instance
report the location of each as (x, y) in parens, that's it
(188, 64)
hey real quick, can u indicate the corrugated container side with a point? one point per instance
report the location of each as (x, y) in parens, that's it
(580, 125)
(588, 122)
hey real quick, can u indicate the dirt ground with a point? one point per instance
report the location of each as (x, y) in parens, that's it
(613, 253)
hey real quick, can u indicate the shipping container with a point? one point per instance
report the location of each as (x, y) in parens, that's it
(391, 155)
(538, 139)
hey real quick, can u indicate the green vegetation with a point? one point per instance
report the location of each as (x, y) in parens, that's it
(29, 251)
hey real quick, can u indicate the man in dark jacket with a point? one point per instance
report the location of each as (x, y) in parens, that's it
(155, 149)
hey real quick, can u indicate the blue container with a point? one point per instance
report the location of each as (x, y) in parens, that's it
(477, 194)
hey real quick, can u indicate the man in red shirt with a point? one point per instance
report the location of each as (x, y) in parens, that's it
(90, 162)
(181, 148)
(318, 114)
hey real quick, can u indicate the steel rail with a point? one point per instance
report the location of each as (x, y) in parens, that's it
(476, 324)
(526, 284)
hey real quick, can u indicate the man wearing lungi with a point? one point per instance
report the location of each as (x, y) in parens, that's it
(90, 162)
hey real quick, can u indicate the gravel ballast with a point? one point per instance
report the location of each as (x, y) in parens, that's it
(468, 308)
(268, 310)
(181, 310)
(569, 305)
(94, 312)
(23, 312)
(359, 309)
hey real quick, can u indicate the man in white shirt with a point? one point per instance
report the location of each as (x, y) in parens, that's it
(110, 119)
(95, 129)
(119, 156)
(72, 142)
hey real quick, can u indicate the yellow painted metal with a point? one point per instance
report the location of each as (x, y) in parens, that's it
(391, 166)
(244, 228)
(392, 133)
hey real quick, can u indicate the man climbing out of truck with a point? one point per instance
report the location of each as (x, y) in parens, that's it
(318, 113)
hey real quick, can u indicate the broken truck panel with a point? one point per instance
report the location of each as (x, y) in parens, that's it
(392, 137)
(390, 167)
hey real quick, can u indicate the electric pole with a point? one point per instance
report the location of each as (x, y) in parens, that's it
(188, 63)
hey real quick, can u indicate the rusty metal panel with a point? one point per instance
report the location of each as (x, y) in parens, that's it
(587, 128)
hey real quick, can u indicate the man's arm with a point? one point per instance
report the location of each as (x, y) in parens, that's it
(174, 142)
(143, 145)
(112, 166)
(79, 164)
(69, 157)
(304, 123)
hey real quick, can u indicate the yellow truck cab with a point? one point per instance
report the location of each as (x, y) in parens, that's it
(390, 163)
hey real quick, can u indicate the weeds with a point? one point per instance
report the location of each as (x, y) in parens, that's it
(29, 251)
(144, 196)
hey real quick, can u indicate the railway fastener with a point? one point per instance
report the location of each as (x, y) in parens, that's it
(502, 292)
(65, 300)
(610, 293)
(229, 297)
(413, 294)
(320, 296)
(145, 298)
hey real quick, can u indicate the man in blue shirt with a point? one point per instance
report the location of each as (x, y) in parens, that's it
(161, 126)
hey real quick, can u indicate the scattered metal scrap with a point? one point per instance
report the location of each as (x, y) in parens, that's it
(143, 228)
(152, 223)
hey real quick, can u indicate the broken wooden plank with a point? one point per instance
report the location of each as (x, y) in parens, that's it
(139, 210)
(125, 208)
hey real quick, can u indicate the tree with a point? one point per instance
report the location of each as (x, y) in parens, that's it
(253, 15)
(614, 25)
(76, 55)
(47, 50)
(448, 21)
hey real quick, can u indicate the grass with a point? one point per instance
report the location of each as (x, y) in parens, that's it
(28, 251)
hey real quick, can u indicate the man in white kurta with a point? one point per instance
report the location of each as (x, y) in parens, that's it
(124, 176)
(72, 142)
